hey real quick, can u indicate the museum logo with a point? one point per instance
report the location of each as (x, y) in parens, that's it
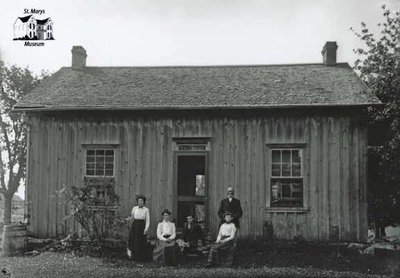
(32, 29)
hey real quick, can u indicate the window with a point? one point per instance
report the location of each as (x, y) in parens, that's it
(286, 177)
(195, 144)
(100, 162)
(192, 147)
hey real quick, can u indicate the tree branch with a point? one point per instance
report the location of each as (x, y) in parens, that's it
(14, 184)
(2, 180)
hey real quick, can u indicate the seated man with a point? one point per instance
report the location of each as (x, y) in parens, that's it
(224, 247)
(191, 234)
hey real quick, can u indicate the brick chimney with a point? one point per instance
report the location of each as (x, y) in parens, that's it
(78, 57)
(329, 53)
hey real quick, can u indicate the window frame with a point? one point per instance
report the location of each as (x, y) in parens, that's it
(302, 147)
(193, 143)
(104, 148)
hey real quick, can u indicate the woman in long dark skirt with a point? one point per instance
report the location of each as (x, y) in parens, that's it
(139, 227)
(166, 251)
(224, 247)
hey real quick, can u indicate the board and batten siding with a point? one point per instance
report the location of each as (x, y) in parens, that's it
(335, 152)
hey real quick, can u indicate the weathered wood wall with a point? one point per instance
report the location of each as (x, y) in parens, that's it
(334, 159)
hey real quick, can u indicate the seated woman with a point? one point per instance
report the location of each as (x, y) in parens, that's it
(166, 250)
(191, 235)
(139, 227)
(224, 245)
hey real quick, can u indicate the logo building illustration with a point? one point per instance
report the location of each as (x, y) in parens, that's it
(30, 28)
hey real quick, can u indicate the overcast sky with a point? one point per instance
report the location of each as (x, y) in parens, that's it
(189, 32)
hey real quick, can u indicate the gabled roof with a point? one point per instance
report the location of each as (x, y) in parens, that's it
(42, 21)
(201, 87)
(25, 18)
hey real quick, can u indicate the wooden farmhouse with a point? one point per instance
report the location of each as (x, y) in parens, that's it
(290, 139)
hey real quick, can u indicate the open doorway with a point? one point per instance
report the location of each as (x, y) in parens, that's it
(191, 179)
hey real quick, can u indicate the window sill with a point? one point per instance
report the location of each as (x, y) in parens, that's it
(288, 209)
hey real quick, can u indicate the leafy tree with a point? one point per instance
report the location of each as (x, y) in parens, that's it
(378, 64)
(15, 83)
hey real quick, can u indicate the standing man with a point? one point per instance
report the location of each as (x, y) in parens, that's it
(232, 205)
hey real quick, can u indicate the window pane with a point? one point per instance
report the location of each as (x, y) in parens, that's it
(185, 147)
(99, 172)
(275, 190)
(109, 166)
(89, 172)
(200, 185)
(109, 172)
(286, 156)
(90, 166)
(276, 170)
(89, 158)
(99, 158)
(297, 189)
(276, 156)
(286, 189)
(286, 192)
(296, 170)
(199, 147)
(200, 213)
(109, 158)
(100, 162)
(296, 156)
(286, 169)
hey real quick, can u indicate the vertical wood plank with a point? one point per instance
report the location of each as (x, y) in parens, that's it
(363, 223)
(345, 179)
(314, 227)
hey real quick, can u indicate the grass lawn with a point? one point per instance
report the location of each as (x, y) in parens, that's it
(255, 258)
(50, 264)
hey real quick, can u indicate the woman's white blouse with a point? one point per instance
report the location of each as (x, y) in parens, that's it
(142, 213)
(166, 228)
(228, 230)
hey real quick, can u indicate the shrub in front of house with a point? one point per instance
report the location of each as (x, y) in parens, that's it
(94, 211)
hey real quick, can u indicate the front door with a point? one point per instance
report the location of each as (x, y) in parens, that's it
(191, 185)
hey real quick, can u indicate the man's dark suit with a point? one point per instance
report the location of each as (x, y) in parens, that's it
(233, 207)
(192, 234)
